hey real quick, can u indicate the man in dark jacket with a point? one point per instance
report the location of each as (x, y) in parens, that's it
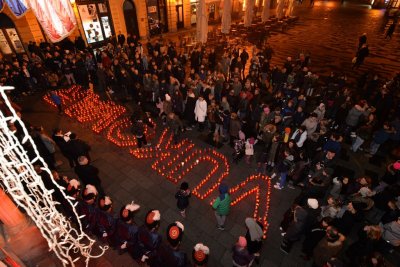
(88, 174)
(77, 148)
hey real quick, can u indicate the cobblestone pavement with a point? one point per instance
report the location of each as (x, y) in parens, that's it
(330, 33)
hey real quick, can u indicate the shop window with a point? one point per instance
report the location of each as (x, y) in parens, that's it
(193, 11)
(10, 42)
(96, 20)
(157, 16)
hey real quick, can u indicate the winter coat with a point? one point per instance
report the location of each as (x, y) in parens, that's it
(241, 256)
(354, 115)
(200, 110)
(249, 148)
(189, 109)
(325, 250)
(182, 197)
(234, 128)
(391, 233)
(167, 107)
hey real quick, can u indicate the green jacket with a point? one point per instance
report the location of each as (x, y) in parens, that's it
(222, 206)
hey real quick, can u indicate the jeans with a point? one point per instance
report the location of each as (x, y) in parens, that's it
(219, 130)
(282, 181)
(70, 78)
(373, 148)
(220, 219)
(357, 143)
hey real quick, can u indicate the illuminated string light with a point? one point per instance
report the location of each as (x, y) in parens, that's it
(26, 187)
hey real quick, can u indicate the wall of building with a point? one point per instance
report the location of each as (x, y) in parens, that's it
(27, 26)
(117, 13)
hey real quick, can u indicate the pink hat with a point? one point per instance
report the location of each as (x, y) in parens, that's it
(396, 165)
(251, 141)
(242, 242)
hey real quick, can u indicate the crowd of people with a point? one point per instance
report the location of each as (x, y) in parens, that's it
(292, 122)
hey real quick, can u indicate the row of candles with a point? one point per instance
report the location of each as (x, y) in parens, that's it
(173, 161)
(262, 182)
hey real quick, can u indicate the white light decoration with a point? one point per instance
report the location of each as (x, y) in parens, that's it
(25, 186)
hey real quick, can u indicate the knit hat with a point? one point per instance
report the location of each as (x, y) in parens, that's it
(312, 203)
(242, 242)
(242, 136)
(175, 233)
(251, 140)
(200, 254)
(153, 218)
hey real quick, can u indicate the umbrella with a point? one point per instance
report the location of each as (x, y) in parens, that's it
(201, 22)
(248, 13)
(226, 17)
(265, 11)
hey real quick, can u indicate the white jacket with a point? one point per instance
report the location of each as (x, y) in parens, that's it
(249, 151)
(200, 111)
(302, 139)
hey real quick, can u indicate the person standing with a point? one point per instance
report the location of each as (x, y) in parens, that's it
(241, 257)
(200, 112)
(254, 237)
(77, 147)
(391, 29)
(88, 174)
(200, 255)
(61, 141)
(222, 205)
(182, 197)
(121, 38)
(139, 131)
(169, 254)
(148, 238)
(362, 40)
(362, 53)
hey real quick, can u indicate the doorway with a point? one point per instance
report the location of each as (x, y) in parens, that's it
(179, 14)
(130, 18)
(10, 42)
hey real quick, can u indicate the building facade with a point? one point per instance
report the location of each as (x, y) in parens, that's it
(100, 19)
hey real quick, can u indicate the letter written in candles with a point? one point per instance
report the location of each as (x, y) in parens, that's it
(206, 168)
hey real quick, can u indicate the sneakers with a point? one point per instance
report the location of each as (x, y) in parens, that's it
(277, 186)
(222, 228)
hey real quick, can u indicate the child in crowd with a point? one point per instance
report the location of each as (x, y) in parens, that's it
(249, 151)
(182, 197)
